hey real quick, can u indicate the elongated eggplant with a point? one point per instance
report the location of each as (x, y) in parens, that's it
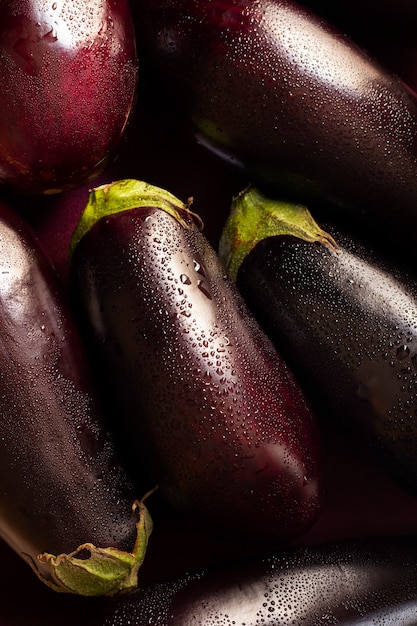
(67, 505)
(351, 583)
(343, 317)
(209, 407)
(68, 71)
(305, 111)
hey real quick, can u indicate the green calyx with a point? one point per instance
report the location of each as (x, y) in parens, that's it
(127, 194)
(105, 571)
(254, 217)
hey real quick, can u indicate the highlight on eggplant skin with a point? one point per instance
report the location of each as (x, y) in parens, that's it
(278, 90)
(206, 403)
(344, 318)
(356, 583)
(67, 505)
(68, 73)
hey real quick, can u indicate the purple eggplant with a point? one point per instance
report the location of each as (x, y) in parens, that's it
(372, 582)
(205, 404)
(68, 71)
(343, 316)
(67, 505)
(307, 113)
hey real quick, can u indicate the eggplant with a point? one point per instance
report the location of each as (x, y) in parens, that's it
(69, 72)
(352, 583)
(277, 90)
(67, 504)
(206, 407)
(341, 314)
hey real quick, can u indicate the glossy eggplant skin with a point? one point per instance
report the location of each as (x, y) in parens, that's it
(68, 71)
(61, 481)
(370, 582)
(273, 87)
(206, 406)
(344, 318)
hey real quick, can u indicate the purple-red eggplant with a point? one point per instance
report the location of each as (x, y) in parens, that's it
(67, 505)
(302, 108)
(68, 70)
(342, 316)
(206, 405)
(372, 582)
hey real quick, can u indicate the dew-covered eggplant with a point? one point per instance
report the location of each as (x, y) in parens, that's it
(67, 505)
(68, 70)
(342, 316)
(206, 404)
(277, 89)
(354, 583)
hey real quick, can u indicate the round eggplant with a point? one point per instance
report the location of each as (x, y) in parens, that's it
(67, 505)
(68, 70)
(210, 409)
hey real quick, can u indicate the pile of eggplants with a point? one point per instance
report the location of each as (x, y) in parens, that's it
(206, 408)
(68, 71)
(67, 504)
(215, 387)
(343, 317)
(355, 583)
(271, 86)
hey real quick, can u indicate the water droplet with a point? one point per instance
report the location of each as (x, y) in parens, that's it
(203, 289)
(402, 352)
(199, 268)
(185, 279)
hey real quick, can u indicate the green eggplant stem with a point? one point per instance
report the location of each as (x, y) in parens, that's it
(105, 571)
(126, 194)
(254, 217)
